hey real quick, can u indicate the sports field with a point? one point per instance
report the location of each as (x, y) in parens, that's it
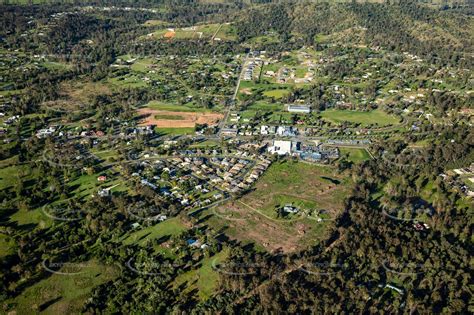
(171, 119)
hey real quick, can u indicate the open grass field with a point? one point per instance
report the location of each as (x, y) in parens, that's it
(219, 32)
(63, 294)
(170, 227)
(174, 131)
(157, 105)
(203, 279)
(10, 175)
(277, 94)
(254, 219)
(127, 81)
(355, 155)
(378, 117)
(74, 94)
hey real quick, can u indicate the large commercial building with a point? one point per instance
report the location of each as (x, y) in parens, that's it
(302, 109)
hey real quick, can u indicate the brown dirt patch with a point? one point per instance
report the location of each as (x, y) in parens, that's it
(169, 34)
(268, 233)
(189, 119)
(246, 91)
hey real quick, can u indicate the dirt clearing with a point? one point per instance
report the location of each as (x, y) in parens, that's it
(179, 119)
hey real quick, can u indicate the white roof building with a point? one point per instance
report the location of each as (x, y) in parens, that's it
(281, 147)
(305, 109)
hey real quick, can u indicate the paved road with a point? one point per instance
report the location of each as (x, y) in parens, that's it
(234, 97)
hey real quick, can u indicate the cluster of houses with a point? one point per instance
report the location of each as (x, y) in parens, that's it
(249, 69)
(187, 190)
(10, 120)
(46, 132)
(229, 174)
(130, 132)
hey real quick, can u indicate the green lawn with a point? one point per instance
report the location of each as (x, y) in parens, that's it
(128, 81)
(169, 227)
(264, 39)
(9, 175)
(377, 116)
(356, 155)
(36, 216)
(157, 105)
(276, 93)
(6, 245)
(169, 117)
(227, 32)
(142, 65)
(63, 294)
(176, 131)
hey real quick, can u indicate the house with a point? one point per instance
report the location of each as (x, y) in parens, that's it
(102, 178)
(191, 242)
(290, 209)
(400, 291)
(229, 132)
(135, 225)
(104, 192)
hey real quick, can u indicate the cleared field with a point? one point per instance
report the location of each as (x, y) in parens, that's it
(310, 188)
(74, 94)
(178, 119)
(377, 117)
(155, 23)
(63, 294)
(218, 32)
(276, 93)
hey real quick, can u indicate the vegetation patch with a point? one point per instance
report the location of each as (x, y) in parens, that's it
(374, 117)
(64, 294)
(317, 191)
